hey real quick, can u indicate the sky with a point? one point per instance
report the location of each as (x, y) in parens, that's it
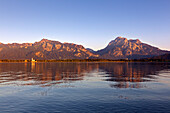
(91, 23)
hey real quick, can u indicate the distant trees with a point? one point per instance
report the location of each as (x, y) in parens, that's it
(90, 60)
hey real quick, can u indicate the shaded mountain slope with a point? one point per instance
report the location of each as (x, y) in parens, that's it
(162, 57)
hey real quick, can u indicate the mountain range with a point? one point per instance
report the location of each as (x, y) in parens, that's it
(131, 49)
(120, 48)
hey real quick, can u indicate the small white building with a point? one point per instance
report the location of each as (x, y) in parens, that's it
(32, 60)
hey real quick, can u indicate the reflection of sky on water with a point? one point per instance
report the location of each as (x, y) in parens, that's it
(102, 87)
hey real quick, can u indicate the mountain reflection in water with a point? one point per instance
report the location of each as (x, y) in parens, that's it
(120, 75)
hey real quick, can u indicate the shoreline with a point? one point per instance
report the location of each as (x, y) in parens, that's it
(85, 60)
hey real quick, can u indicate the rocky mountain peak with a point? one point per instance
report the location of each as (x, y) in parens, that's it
(118, 41)
(123, 48)
(45, 49)
(49, 49)
(123, 41)
(44, 40)
(119, 37)
(135, 41)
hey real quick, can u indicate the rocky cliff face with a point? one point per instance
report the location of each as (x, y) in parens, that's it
(44, 49)
(119, 48)
(132, 49)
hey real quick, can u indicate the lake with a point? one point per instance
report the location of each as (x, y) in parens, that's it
(85, 87)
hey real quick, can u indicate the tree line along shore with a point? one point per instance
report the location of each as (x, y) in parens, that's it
(89, 60)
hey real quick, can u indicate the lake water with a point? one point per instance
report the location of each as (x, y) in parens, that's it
(85, 87)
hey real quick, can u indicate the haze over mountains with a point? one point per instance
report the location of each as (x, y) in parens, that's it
(120, 48)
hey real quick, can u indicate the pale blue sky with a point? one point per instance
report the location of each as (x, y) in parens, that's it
(92, 23)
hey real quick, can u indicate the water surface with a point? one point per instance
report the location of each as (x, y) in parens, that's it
(85, 87)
